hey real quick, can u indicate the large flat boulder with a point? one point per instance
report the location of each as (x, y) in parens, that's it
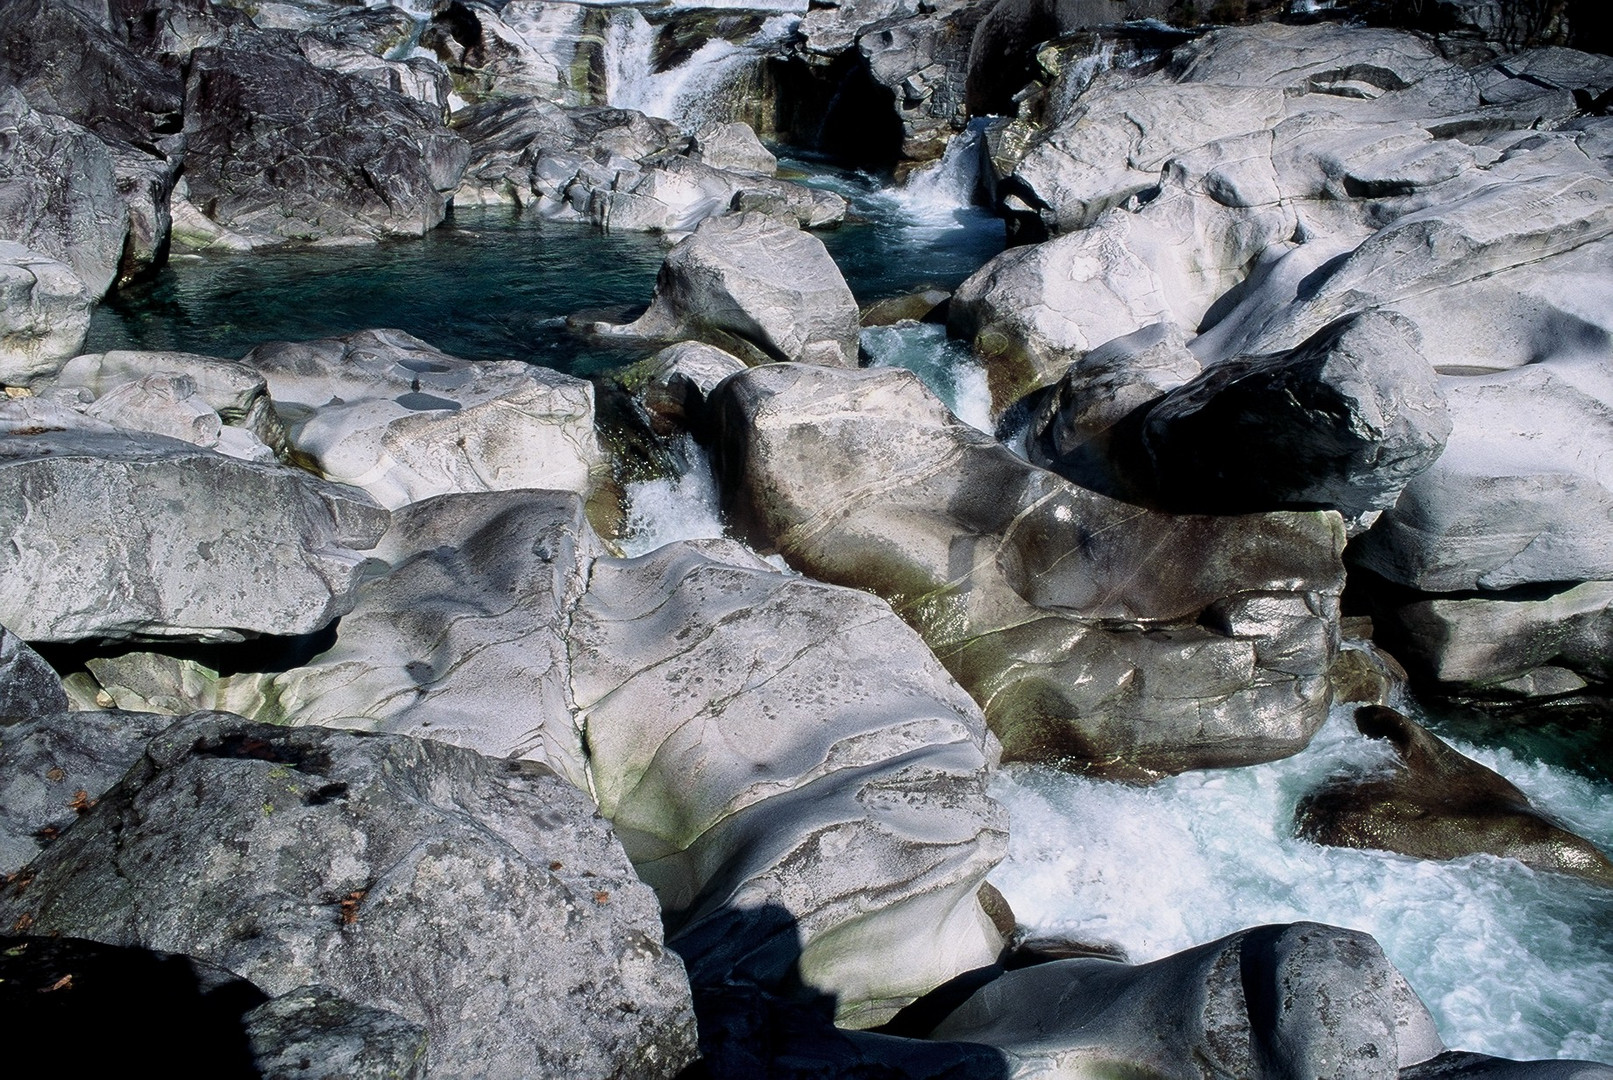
(384, 411)
(1092, 632)
(483, 900)
(117, 535)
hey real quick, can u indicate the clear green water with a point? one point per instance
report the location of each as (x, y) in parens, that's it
(487, 285)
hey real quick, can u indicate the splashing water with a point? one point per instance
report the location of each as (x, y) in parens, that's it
(692, 92)
(673, 508)
(940, 191)
(1510, 961)
(947, 367)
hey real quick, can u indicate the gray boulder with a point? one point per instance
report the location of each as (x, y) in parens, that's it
(113, 535)
(1341, 422)
(280, 151)
(29, 687)
(59, 193)
(312, 1023)
(44, 313)
(384, 411)
(1438, 804)
(1278, 1001)
(734, 147)
(480, 899)
(1459, 1065)
(1094, 633)
(748, 282)
(56, 765)
(1107, 385)
(792, 771)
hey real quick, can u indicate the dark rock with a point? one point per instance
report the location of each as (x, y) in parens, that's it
(280, 150)
(677, 382)
(29, 687)
(1437, 804)
(105, 1010)
(59, 192)
(1341, 422)
(925, 306)
(484, 900)
(314, 1027)
(1460, 1065)
(54, 767)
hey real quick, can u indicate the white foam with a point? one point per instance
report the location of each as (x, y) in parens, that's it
(691, 93)
(938, 192)
(673, 508)
(1510, 961)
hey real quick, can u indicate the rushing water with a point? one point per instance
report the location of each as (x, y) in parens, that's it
(1510, 961)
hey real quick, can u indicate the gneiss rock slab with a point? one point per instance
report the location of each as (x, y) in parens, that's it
(279, 150)
(1437, 804)
(750, 281)
(1091, 631)
(793, 772)
(133, 536)
(386, 412)
(482, 899)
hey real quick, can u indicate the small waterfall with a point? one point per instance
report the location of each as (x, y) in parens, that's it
(692, 93)
(1077, 76)
(935, 193)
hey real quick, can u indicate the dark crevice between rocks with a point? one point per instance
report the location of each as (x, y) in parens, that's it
(838, 110)
(270, 653)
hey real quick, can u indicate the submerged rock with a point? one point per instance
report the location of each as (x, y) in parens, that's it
(384, 411)
(1296, 1000)
(748, 282)
(1437, 804)
(1092, 632)
(483, 900)
(278, 150)
(115, 535)
(792, 771)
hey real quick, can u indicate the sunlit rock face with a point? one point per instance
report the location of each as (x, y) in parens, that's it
(1091, 631)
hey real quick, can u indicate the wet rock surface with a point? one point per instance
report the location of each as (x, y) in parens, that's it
(1437, 804)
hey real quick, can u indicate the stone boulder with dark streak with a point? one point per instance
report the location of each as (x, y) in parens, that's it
(1437, 804)
(1093, 632)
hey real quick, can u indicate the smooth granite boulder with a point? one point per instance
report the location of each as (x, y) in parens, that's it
(734, 147)
(1093, 633)
(1437, 804)
(234, 392)
(462, 640)
(1107, 385)
(792, 771)
(122, 536)
(279, 151)
(384, 411)
(56, 765)
(748, 281)
(1274, 1001)
(678, 380)
(484, 900)
(59, 193)
(44, 314)
(1530, 640)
